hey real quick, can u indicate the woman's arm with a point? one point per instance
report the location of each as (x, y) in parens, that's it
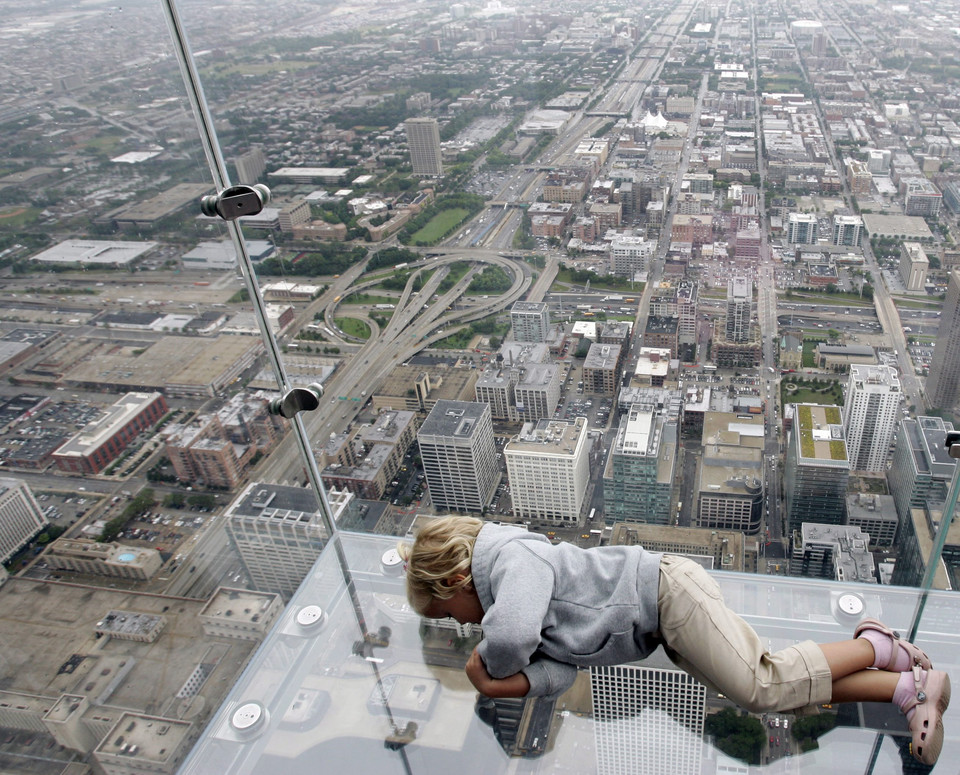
(516, 685)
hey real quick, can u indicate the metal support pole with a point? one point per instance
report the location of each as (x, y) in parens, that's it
(933, 562)
(218, 169)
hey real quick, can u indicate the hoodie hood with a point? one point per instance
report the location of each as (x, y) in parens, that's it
(490, 540)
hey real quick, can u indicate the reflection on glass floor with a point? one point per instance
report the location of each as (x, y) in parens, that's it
(350, 680)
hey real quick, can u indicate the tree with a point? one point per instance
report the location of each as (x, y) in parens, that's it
(174, 500)
(52, 533)
(736, 734)
(202, 501)
(806, 730)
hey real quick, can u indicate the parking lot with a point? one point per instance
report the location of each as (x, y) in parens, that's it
(36, 427)
(62, 509)
(921, 355)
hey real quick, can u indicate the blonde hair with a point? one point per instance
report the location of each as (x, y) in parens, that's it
(442, 548)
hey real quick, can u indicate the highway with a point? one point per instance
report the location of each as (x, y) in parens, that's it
(883, 302)
(411, 329)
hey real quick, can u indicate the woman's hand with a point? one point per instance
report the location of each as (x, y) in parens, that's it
(515, 685)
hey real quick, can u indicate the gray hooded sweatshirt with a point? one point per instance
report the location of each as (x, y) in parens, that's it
(548, 609)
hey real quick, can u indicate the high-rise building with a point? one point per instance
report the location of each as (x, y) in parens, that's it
(21, 517)
(697, 183)
(423, 139)
(837, 552)
(548, 467)
(277, 532)
(817, 469)
(943, 384)
(647, 719)
(459, 455)
(746, 247)
(662, 333)
(739, 309)
(643, 462)
(293, 214)
(631, 255)
(875, 515)
(618, 332)
(858, 176)
(916, 536)
(922, 468)
(921, 197)
(713, 549)
(601, 369)
(518, 384)
(870, 410)
(914, 266)
(730, 490)
(250, 166)
(537, 391)
(678, 299)
(531, 321)
(878, 160)
(818, 45)
(847, 230)
(802, 228)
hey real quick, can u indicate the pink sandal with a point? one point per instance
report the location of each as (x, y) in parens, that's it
(929, 703)
(917, 655)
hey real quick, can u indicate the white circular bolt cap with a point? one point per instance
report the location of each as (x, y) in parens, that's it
(309, 615)
(850, 604)
(247, 716)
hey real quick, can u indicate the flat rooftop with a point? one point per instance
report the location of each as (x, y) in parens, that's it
(179, 360)
(911, 227)
(127, 622)
(118, 415)
(528, 306)
(602, 356)
(732, 429)
(388, 428)
(548, 436)
(453, 418)
(821, 433)
(641, 432)
(92, 252)
(284, 503)
(141, 737)
(57, 650)
(239, 605)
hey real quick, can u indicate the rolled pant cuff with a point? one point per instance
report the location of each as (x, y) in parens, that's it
(821, 679)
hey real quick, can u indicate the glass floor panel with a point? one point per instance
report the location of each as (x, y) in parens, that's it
(350, 679)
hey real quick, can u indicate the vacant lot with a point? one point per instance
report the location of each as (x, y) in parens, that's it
(439, 226)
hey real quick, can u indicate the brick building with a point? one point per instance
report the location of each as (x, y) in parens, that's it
(100, 443)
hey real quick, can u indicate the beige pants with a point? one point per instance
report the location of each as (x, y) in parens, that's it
(713, 644)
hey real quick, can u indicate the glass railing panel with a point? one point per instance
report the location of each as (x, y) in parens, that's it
(141, 463)
(115, 285)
